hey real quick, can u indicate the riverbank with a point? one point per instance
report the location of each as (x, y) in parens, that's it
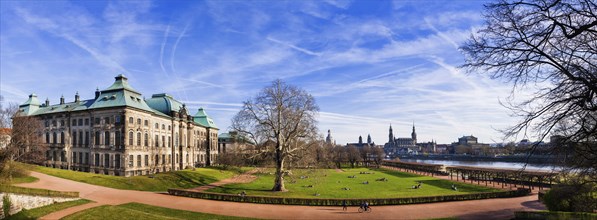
(534, 159)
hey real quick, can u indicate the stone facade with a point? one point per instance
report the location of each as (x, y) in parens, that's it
(120, 133)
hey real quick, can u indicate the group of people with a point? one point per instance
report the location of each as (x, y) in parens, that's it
(417, 186)
(364, 205)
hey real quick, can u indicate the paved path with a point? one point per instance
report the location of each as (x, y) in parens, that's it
(477, 209)
(242, 178)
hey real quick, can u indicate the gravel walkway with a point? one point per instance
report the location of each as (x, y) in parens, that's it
(477, 209)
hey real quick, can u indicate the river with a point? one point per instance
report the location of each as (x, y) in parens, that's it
(487, 164)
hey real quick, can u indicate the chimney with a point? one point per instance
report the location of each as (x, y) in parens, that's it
(62, 99)
(77, 97)
(47, 102)
(97, 93)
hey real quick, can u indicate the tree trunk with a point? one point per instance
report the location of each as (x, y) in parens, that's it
(279, 181)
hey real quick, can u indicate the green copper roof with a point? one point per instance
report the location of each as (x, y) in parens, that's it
(30, 106)
(203, 119)
(121, 83)
(164, 103)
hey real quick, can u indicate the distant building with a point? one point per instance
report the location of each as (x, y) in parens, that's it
(5, 137)
(470, 145)
(329, 140)
(401, 145)
(232, 141)
(118, 132)
(361, 144)
(428, 147)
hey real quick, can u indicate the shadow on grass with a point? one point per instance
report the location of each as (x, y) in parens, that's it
(398, 174)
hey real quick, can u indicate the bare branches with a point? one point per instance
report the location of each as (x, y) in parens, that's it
(552, 45)
(281, 115)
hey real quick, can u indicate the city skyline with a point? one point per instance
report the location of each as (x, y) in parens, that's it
(368, 65)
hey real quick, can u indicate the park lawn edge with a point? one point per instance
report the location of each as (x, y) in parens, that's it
(147, 212)
(45, 210)
(160, 182)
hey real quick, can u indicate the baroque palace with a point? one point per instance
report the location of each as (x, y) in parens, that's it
(120, 133)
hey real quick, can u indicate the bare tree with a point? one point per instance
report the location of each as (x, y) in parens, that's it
(283, 115)
(338, 156)
(549, 45)
(365, 152)
(353, 155)
(378, 155)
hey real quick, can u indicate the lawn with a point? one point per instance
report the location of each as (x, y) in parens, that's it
(44, 210)
(159, 183)
(328, 183)
(141, 211)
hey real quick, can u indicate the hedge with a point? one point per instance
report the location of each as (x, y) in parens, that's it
(554, 215)
(37, 192)
(350, 202)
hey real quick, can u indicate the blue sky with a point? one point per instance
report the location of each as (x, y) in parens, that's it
(368, 63)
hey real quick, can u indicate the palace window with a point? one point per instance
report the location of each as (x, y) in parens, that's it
(146, 160)
(138, 121)
(117, 139)
(97, 138)
(80, 122)
(138, 138)
(146, 123)
(157, 140)
(74, 138)
(117, 161)
(130, 138)
(80, 138)
(146, 140)
(87, 138)
(87, 121)
(47, 137)
(62, 137)
(131, 162)
(107, 138)
(138, 160)
(106, 160)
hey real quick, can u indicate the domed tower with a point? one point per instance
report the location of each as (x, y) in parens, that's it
(329, 139)
(369, 139)
(414, 134)
(360, 140)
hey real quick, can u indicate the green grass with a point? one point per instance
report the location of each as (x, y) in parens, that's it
(160, 182)
(328, 183)
(141, 211)
(36, 192)
(44, 210)
(23, 179)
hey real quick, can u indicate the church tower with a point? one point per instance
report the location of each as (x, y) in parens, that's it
(329, 139)
(414, 134)
(360, 140)
(391, 136)
(369, 139)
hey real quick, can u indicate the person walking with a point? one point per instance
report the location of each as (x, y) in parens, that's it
(344, 205)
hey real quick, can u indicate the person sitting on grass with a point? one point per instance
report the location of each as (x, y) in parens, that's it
(454, 187)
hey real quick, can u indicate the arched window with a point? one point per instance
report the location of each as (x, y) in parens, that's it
(138, 138)
(107, 138)
(47, 137)
(146, 140)
(157, 141)
(62, 137)
(131, 138)
(187, 158)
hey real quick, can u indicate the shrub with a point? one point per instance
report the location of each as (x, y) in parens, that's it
(6, 205)
(571, 198)
(350, 202)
